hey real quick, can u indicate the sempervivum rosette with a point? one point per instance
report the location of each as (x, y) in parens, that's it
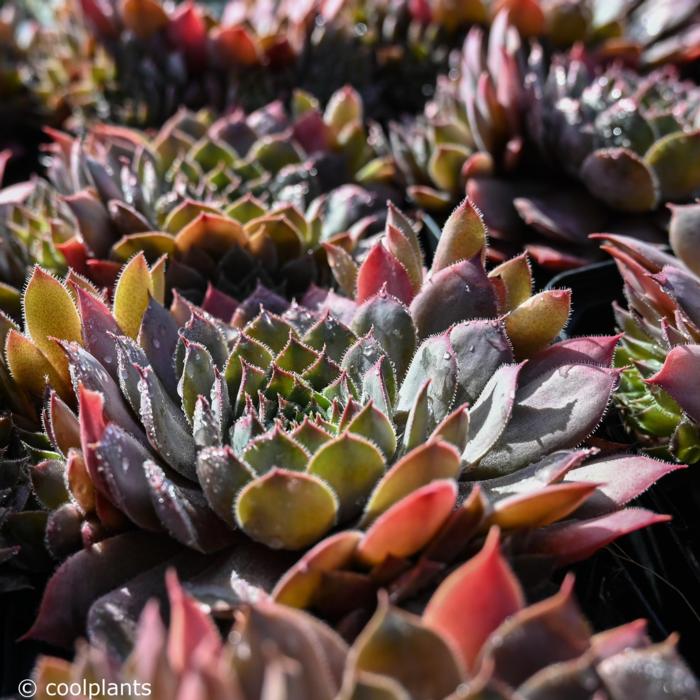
(343, 411)
(659, 349)
(476, 638)
(231, 202)
(510, 122)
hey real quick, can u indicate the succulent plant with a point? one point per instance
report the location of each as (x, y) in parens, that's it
(510, 122)
(166, 56)
(169, 55)
(231, 202)
(476, 638)
(71, 76)
(648, 33)
(659, 348)
(303, 420)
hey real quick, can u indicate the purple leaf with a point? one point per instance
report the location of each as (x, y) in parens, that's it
(86, 576)
(587, 350)
(684, 287)
(622, 478)
(489, 416)
(573, 541)
(120, 460)
(461, 292)
(98, 323)
(554, 410)
(184, 513)
(158, 338)
(480, 348)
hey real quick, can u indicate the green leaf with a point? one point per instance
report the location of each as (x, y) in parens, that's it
(286, 509)
(434, 460)
(49, 312)
(351, 466)
(276, 449)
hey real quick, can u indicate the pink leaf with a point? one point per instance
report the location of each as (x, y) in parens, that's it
(474, 600)
(190, 628)
(312, 132)
(379, 269)
(92, 426)
(187, 31)
(574, 541)
(591, 350)
(623, 478)
(680, 377)
(218, 304)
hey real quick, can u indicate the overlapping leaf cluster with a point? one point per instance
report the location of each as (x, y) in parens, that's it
(226, 353)
(475, 639)
(510, 121)
(236, 201)
(659, 349)
(424, 429)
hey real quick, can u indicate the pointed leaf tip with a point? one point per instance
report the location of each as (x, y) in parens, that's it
(463, 236)
(474, 600)
(381, 269)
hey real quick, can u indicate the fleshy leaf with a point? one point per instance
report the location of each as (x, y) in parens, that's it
(286, 509)
(491, 413)
(461, 291)
(422, 465)
(373, 424)
(675, 160)
(166, 427)
(554, 410)
(398, 645)
(516, 277)
(300, 583)
(120, 460)
(131, 295)
(484, 591)
(49, 312)
(679, 376)
(435, 361)
(410, 524)
(380, 270)
(463, 236)
(88, 574)
(184, 512)
(392, 326)
(621, 179)
(351, 466)
(561, 631)
(538, 321)
(573, 541)
(275, 449)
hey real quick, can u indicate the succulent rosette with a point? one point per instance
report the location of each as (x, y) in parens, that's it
(242, 199)
(475, 638)
(170, 55)
(369, 410)
(552, 149)
(659, 348)
(253, 52)
(648, 33)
